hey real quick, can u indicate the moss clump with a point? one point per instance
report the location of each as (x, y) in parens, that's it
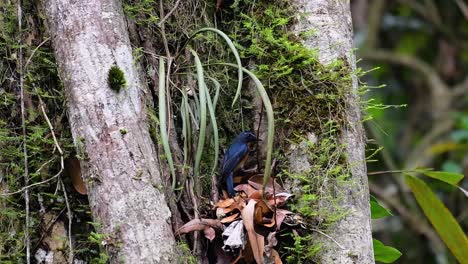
(123, 131)
(116, 78)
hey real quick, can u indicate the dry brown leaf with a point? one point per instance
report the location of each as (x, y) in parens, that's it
(230, 218)
(257, 242)
(256, 195)
(73, 169)
(199, 225)
(209, 233)
(280, 215)
(258, 216)
(256, 181)
(225, 203)
(237, 204)
(276, 256)
(279, 199)
(246, 188)
(268, 222)
(262, 204)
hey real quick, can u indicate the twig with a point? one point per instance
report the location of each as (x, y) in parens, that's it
(70, 245)
(439, 129)
(331, 238)
(461, 88)
(34, 51)
(23, 124)
(24, 189)
(389, 172)
(463, 8)
(169, 14)
(62, 167)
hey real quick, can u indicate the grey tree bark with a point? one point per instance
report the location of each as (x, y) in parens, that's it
(110, 130)
(331, 20)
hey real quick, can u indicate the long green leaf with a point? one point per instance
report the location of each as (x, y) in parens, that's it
(441, 218)
(270, 119)
(234, 51)
(202, 132)
(452, 178)
(384, 253)
(218, 88)
(186, 129)
(214, 124)
(163, 121)
(377, 210)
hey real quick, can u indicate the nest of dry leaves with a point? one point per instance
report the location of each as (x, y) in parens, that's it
(244, 227)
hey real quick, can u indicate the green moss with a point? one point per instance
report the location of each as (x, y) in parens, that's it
(302, 250)
(184, 255)
(123, 131)
(116, 78)
(308, 97)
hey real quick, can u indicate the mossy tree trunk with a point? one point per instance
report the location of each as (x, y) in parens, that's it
(110, 129)
(331, 22)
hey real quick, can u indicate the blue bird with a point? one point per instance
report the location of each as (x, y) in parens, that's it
(234, 158)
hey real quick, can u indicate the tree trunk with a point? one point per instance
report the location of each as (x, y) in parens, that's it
(331, 20)
(110, 130)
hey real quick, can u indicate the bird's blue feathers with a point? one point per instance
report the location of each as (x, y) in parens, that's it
(234, 156)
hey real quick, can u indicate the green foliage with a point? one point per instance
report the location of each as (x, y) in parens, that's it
(377, 210)
(303, 250)
(123, 131)
(99, 240)
(319, 195)
(384, 253)
(184, 255)
(142, 11)
(451, 178)
(116, 78)
(41, 81)
(304, 89)
(440, 217)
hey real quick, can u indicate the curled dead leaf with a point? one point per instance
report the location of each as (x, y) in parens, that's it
(73, 170)
(230, 218)
(209, 233)
(205, 225)
(257, 242)
(246, 188)
(225, 203)
(279, 199)
(280, 216)
(256, 181)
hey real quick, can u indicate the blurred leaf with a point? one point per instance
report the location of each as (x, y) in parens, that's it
(446, 147)
(459, 135)
(440, 217)
(462, 121)
(451, 166)
(384, 253)
(377, 210)
(452, 178)
(412, 42)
